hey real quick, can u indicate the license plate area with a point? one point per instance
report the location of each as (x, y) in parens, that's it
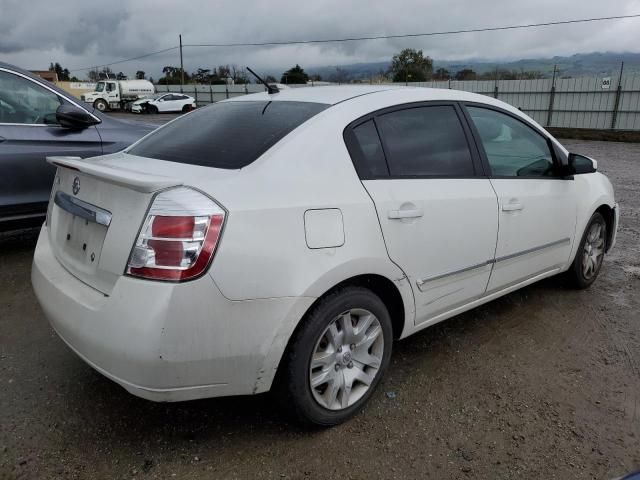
(79, 240)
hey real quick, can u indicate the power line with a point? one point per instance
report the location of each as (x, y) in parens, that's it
(410, 35)
(374, 37)
(125, 60)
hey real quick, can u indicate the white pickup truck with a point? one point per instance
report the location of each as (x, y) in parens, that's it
(117, 94)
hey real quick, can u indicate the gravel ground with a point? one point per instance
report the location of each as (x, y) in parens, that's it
(542, 383)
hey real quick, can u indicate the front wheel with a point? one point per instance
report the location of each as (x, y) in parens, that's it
(101, 105)
(152, 109)
(337, 357)
(590, 254)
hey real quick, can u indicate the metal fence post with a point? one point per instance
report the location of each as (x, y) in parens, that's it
(552, 96)
(246, 90)
(211, 93)
(616, 103)
(226, 90)
(196, 94)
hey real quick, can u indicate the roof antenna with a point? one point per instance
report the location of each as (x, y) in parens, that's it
(270, 88)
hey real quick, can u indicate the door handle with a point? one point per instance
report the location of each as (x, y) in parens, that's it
(513, 206)
(2, 139)
(397, 214)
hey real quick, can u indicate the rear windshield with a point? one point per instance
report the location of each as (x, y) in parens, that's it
(227, 135)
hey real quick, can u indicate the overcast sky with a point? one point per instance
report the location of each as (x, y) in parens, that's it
(77, 34)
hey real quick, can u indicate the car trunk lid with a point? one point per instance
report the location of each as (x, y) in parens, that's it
(95, 213)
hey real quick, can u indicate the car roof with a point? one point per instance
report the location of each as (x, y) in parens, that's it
(334, 94)
(329, 95)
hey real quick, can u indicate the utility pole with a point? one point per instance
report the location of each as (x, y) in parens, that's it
(616, 103)
(552, 95)
(181, 65)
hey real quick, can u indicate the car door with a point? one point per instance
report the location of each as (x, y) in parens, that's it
(437, 211)
(28, 134)
(537, 203)
(165, 104)
(113, 92)
(182, 101)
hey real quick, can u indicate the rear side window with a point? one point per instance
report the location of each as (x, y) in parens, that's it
(370, 157)
(227, 135)
(425, 141)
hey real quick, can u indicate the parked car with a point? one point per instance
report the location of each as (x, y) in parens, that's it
(38, 119)
(203, 261)
(164, 102)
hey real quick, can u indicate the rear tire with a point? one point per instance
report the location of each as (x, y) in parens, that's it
(101, 105)
(186, 108)
(588, 261)
(336, 357)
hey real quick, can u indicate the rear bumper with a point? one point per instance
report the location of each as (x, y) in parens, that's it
(167, 341)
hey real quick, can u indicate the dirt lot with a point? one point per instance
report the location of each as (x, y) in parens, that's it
(543, 383)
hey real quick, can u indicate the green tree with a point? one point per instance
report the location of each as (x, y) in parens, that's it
(466, 74)
(411, 65)
(270, 79)
(140, 75)
(121, 76)
(172, 75)
(239, 76)
(441, 74)
(295, 75)
(63, 73)
(202, 75)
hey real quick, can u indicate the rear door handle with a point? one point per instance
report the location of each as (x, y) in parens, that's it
(513, 206)
(2, 139)
(397, 214)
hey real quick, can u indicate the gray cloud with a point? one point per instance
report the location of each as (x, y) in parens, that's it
(79, 34)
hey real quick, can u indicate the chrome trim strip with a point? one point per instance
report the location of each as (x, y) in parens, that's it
(532, 250)
(422, 281)
(13, 72)
(439, 276)
(82, 209)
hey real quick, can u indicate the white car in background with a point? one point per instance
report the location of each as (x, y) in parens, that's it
(164, 102)
(286, 239)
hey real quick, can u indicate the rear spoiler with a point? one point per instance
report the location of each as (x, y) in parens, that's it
(139, 181)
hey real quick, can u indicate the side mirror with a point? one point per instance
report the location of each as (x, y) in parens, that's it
(579, 164)
(69, 116)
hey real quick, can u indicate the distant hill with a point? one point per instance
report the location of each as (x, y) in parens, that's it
(581, 64)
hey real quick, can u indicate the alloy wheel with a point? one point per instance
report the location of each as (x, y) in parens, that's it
(593, 252)
(346, 359)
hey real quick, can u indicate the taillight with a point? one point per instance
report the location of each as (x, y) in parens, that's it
(179, 236)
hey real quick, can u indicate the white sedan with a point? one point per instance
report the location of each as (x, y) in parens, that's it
(205, 261)
(164, 102)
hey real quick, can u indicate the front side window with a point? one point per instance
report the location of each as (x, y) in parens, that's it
(425, 141)
(512, 148)
(99, 87)
(228, 135)
(26, 102)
